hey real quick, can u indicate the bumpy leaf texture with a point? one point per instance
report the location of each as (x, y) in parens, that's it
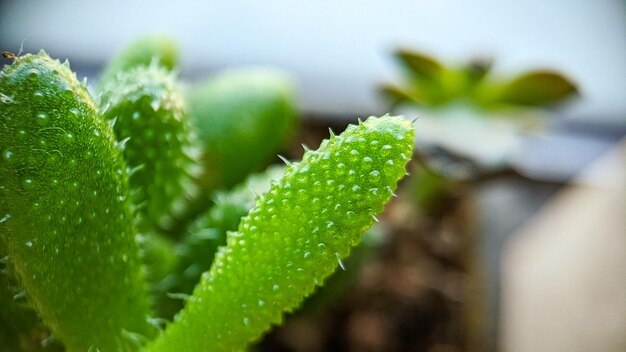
(65, 213)
(293, 238)
(197, 248)
(148, 110)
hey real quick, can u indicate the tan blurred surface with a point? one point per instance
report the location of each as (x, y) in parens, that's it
(564, 272)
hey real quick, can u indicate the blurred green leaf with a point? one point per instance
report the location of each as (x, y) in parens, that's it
(431, 84)
(398, 95)
(242, 117)
(536, 88)
(421, 67)
(141, 52)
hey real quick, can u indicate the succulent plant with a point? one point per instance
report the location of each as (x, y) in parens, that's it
(83, 191)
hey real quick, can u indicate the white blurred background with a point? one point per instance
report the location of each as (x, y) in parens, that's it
(340, 50)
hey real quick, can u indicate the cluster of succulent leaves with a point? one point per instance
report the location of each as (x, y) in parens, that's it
(469, 90)
(430, 83)
(119, 230)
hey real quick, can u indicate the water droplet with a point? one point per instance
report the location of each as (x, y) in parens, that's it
(74, 111)
(67, 93)
(307, 254)
(29, 244)
(275, 287)
(96, 132)
(261, 303)
(356, 188)
(246, 321)
(7, 154)
(155, 104)
(5, 99)
(136, 115)
(375, 173)
(42, 116)
(19, 295)
(5, 218)
(38, 94)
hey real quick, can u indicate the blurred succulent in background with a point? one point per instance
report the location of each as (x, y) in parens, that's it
(431, 84)
(471, 119)
(471, 126)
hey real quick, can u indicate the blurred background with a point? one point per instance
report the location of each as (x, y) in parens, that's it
(510, 233)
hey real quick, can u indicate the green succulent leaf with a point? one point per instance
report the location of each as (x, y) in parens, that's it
(149, 116)
(197, 248)
(431, 84)
(398, 95)
(142, 52)
(293, 238)
(19, 325)
(158, 257)
(536, 88)
(66, 221)
(242, 118)
(420, 66)
(341, 281)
